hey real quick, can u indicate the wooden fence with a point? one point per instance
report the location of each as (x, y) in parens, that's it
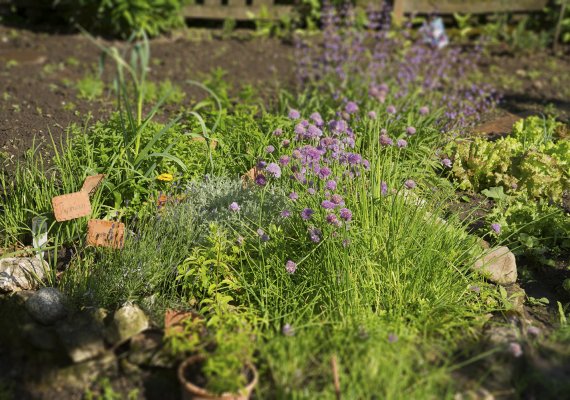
(274, 9)
(238, 9)
(402, 7)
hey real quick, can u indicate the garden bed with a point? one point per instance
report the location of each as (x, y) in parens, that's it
(345, 236)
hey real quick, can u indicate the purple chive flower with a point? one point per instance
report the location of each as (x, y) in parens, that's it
(354, 158)
(294, 114)
(337, 199)
(291, 266)
(410, 130)
(332, 219)
(261, 164)
(366, 164)
(496, 228)
(372, 115)
(285, 214)
(306, 214)
(240, 240)
(402, 143)
(331, 185)
(515, 349)
(351, 107)
(269, 149)
(262, 235)
(391, 109)
(384, 188)
(315, 235)
(234, 207)
(410, 184)
(288, 330)
(278, 132)
(446, 162)
(284, 160)
(317, 119)
(311, 191)
(475, 289)
(274, 170)
(392, 338)
(328, 205)
(260, 180)
(424, 110)
(533, 331)
(346, 214)
(324, 172)
(314, 132)
(346, 243)
(285, 143)
(293, 196)
(300, 130)
(385, 140)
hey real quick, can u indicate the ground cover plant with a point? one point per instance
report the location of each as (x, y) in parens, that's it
(314, 230)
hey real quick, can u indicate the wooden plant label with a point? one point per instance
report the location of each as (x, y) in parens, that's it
(71, 206)
(173, 320)
(249, 176)
(105, 233)
(91, 183)
(161, 201)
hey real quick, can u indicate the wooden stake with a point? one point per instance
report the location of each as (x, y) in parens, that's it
(336, 378)
(559, 24)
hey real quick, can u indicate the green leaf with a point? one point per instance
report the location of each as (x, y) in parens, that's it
(496, 193)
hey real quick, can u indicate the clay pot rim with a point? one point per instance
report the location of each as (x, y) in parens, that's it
(197, 390)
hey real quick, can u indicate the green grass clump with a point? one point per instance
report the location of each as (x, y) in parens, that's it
(28, 189)
(90, 88)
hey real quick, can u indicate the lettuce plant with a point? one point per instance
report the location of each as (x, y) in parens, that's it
(534, 160)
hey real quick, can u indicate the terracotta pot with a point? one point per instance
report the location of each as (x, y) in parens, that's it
(193, 392)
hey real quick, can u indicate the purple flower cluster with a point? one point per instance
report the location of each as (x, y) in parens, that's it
(291, 267)
(423, 66)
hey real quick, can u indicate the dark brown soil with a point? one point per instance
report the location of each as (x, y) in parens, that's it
(39, 73)
(530, 82)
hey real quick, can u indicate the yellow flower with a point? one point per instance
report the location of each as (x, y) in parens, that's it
(165, 177)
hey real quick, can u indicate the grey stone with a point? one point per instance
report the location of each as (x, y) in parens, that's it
(39, 336)
(498, 335)
(21, 273)
(499, 265)
(516, 296)
(80, 376)
(47, 305)
(479, 394)
(127, 322)
(147, 349)
(82, 336)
